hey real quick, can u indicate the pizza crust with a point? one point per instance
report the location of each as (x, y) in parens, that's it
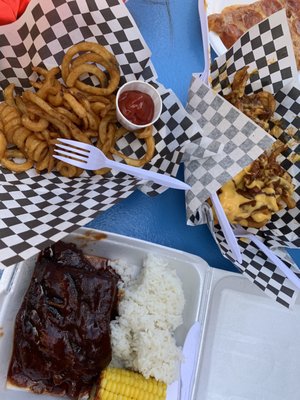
(235, 20)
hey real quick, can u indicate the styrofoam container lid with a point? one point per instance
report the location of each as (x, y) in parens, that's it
(249, 348)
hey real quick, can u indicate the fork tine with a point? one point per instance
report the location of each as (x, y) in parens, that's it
(75, 143)
(72, 156)
(72, 149)
(71, 161)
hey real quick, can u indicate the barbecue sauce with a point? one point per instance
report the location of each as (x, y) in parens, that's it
(62, 333)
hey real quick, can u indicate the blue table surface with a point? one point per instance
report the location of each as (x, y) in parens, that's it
(171, 28)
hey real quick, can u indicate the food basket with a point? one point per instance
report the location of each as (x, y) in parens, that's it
(45, 207)
(267, 50)
(243, 354)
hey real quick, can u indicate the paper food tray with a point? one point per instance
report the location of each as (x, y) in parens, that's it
(46, 207)
(244, 352)
(267, 50)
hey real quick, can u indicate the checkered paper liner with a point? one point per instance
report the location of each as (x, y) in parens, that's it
(37, 210)
(267, 49)
(256, 267)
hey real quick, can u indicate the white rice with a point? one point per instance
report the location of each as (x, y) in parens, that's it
(150, 311)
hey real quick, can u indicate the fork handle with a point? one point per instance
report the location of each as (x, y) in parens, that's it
(226, 228)
(205, 39)
(145, 174)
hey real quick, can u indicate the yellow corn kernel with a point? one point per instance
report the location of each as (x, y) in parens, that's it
(122, 384)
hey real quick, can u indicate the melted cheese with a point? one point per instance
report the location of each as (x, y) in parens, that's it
(236, 207)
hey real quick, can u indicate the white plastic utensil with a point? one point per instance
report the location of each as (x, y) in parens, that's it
(223, 221)
(190, 356)
(205, 41)
(173, 391)
(87, 156)
(182, 387)
(241, 232)
(226, 228)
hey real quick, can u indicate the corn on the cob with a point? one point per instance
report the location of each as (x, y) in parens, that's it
(121, 384)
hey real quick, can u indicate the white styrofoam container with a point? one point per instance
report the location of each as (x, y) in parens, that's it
(249, 348)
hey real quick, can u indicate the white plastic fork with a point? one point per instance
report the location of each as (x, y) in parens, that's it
(205, 41)
(89, 157)
(223, 221)
(241, 232)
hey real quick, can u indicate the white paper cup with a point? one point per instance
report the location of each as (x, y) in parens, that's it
(143, 87)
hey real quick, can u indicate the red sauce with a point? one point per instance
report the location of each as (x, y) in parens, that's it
(137, 107)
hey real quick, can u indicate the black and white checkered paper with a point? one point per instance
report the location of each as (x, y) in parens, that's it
(36, 210)
(268, 50)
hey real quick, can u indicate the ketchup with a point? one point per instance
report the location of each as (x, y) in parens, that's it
(137, 107)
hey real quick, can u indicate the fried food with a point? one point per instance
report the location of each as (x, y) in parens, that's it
(30, 146)
(83, 47)
(260, 107)
(70, 108)
(34, 125)
(71, 74)
(264, 187)
(258, 191)
(9, 94)
(3, 144)
(145, 134)
(8, 161)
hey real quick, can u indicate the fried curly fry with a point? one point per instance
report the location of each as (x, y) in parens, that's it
(9, 95)
(48, 86)
(150, 145)
(85, 46)
(54, 121)
(76, 72)
(92, 57)
(10, 118)
(8, 161)
(48, 162)
(35, 126)
(75, 105)
(3, 144)
(68, 170)
(50, 111)
(69, 114)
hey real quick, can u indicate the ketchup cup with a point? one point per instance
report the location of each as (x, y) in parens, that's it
(143, 99)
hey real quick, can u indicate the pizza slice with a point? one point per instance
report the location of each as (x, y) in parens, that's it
(235, 20)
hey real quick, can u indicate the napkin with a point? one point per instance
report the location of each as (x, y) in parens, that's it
(37, 210)
(267, 49)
